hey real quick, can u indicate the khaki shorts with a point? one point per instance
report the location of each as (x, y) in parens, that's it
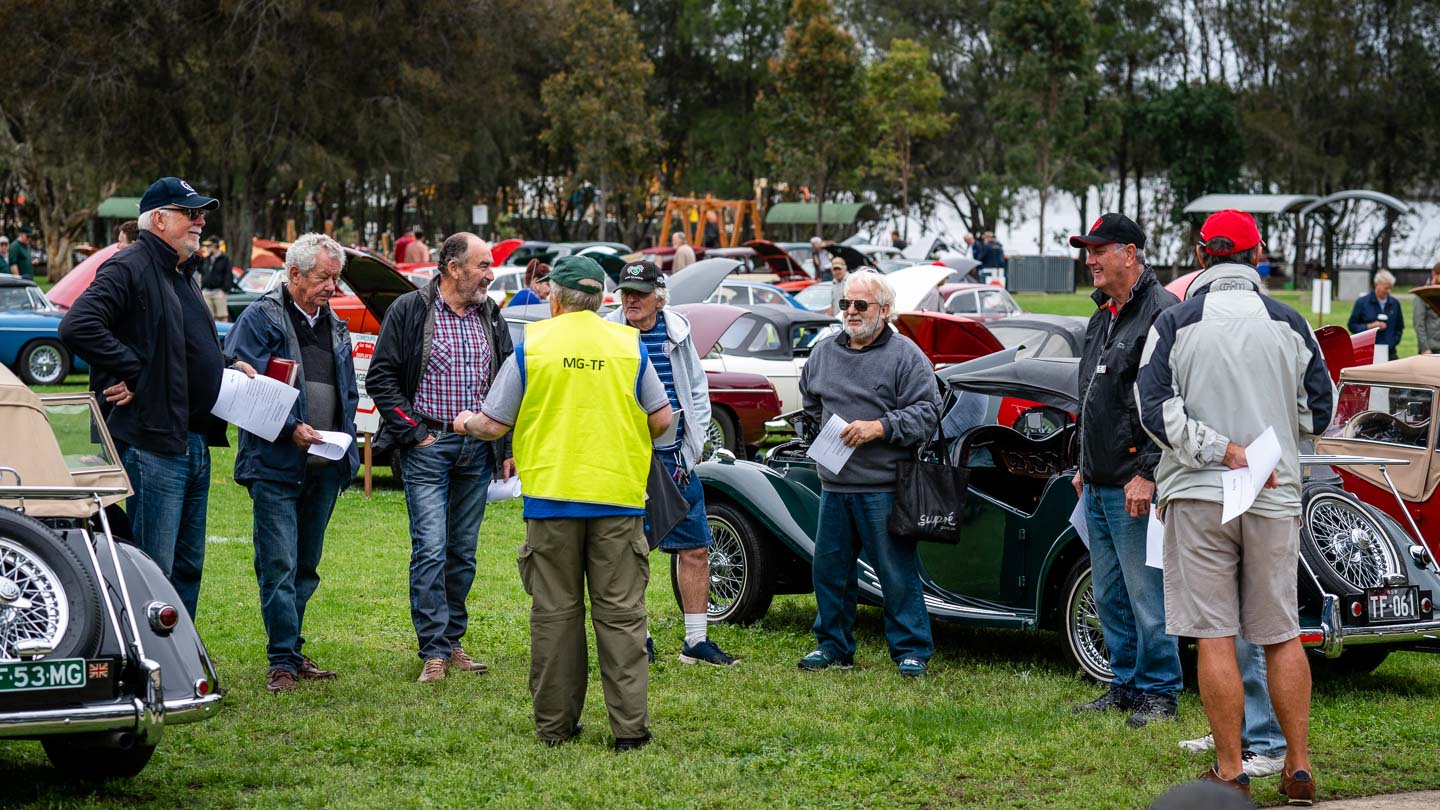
(215, 299)
(1235, 579)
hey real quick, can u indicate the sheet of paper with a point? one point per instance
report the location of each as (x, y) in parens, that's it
(1154, 541)
(1239, 488)
(827, 449)
(336, 443)
(258, 404)
(1077, 519)
(668, 437)
(503, 489)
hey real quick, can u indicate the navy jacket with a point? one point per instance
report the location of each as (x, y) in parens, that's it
(265, 331)
(1368, 308)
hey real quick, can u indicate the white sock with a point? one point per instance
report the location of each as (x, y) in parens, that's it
(694, 628)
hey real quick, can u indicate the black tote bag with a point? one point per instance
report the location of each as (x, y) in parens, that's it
(665, 507)
(929, 497)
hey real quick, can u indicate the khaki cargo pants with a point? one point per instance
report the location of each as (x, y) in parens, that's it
(559, 556)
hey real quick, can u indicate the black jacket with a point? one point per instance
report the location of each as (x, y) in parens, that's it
(216, 273)
(402, 352)
(127, 326)
(1113, 446)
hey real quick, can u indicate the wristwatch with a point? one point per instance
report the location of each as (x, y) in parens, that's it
(464, 426)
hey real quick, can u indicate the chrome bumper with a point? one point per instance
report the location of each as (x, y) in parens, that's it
(1334, 637)
(146, 717)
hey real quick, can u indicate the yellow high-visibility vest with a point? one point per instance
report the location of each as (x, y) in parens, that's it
(580, 435)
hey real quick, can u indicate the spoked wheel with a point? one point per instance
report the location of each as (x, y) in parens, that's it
(1084, 640)
(1346, 548)
(741, 586)
(721, 433)
(46, 596)
(44, 362)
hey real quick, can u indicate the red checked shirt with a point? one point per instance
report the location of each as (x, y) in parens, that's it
(457, 377)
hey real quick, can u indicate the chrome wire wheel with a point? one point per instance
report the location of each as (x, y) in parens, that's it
(728, 567)
(45, 363)
(1350, 543)
(1087, 639)
(33, 606)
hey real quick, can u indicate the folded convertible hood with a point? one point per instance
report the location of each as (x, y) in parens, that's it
(1051, 381)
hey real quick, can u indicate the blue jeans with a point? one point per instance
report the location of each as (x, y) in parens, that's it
(1262, 731)
(694, 530)
(446, 483)
(852, 522)
(290, 523)
(167, 511)
(1129, 596)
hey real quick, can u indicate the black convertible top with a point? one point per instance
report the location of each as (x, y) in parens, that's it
(1052, 381)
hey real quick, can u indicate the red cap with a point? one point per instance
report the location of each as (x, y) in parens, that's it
(1237, 226)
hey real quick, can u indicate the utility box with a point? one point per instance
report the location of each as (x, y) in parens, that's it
(1354, 282)
(1040, 274)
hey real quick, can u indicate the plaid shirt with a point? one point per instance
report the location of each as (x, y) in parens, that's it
(457, 376)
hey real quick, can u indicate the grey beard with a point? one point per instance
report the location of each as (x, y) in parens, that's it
(864, 332)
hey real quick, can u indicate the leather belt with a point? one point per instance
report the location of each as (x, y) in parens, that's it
(436, 424)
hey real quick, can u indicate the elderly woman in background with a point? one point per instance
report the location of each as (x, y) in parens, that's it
(1427, 320)
(1380, 310)
(537, 285)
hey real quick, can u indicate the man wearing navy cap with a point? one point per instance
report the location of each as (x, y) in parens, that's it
(143, 325)
(1116, 475)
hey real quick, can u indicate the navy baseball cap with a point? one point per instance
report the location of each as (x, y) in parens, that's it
(172, 191)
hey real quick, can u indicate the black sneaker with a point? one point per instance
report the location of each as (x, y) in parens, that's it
(650, 648)
(631, 743)
(1116, 698)
(1152, 708)
(706, 652)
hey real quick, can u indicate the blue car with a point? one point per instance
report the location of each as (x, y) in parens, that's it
(752, 293)
(30, 335)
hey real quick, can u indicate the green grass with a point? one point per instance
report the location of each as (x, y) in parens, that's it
(990, 727)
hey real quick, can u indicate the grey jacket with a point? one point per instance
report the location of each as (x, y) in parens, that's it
(891, 381)
(692, 388)
(1221, 367)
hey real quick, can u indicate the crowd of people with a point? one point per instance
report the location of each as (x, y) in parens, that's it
(1161, 416)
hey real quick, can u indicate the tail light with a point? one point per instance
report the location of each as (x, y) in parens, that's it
(163, 617)
(1426, 605)
(1356, 609)
(202, 687)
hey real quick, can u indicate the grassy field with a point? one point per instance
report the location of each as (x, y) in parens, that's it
(990, 727)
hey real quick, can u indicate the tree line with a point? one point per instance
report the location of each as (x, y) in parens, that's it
(577, 118)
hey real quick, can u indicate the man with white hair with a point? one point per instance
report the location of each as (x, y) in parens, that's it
(293, 489)
(1380, 310)
(143, 326)
(883, 387)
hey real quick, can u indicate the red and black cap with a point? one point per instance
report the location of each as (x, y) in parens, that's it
(1236, 226)
(1109, 229)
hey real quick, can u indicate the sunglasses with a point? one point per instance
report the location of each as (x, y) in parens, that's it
(860, 306)
(191, 213)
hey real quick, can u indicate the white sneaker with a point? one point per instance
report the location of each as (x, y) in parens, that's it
(1259, 765)
(1199, 746)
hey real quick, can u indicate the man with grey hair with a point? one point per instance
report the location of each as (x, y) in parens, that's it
(1380, 310)
(586, 404)
(150, 341)
(439, 350)
(294, 489)
(684, 254)
(883, 387)
(666, 336)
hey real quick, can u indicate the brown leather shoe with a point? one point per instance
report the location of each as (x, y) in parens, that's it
(1298, 788)
(434, 670)
(1240, 783)
(281, 680)
(309, 672)
(461, 660)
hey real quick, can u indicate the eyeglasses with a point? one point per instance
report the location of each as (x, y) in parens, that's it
(192, 213)
(860, 306)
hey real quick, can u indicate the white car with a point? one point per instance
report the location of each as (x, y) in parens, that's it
(773, 342)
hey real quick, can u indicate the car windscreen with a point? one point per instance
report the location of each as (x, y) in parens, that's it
(15, 298)
(815, 297)
(257, 281)
(1383, 414)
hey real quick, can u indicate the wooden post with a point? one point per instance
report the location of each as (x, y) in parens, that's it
(368, 459)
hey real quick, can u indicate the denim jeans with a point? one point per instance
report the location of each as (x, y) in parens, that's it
(1129, 596)
(167, 511)
(446, 483)
(290, 523)
(1262, 731)
(852, 522)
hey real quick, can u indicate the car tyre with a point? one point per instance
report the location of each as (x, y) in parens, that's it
(723, 433)
(1347, 548)
(63, 594)
(97, 757)
(43, 362)
(1083, 640)
(742, 571)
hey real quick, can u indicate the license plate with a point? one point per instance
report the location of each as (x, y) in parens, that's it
(34, 676)
(1391, 605)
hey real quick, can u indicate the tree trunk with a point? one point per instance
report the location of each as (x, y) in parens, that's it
(600, 192)
(60, 224)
